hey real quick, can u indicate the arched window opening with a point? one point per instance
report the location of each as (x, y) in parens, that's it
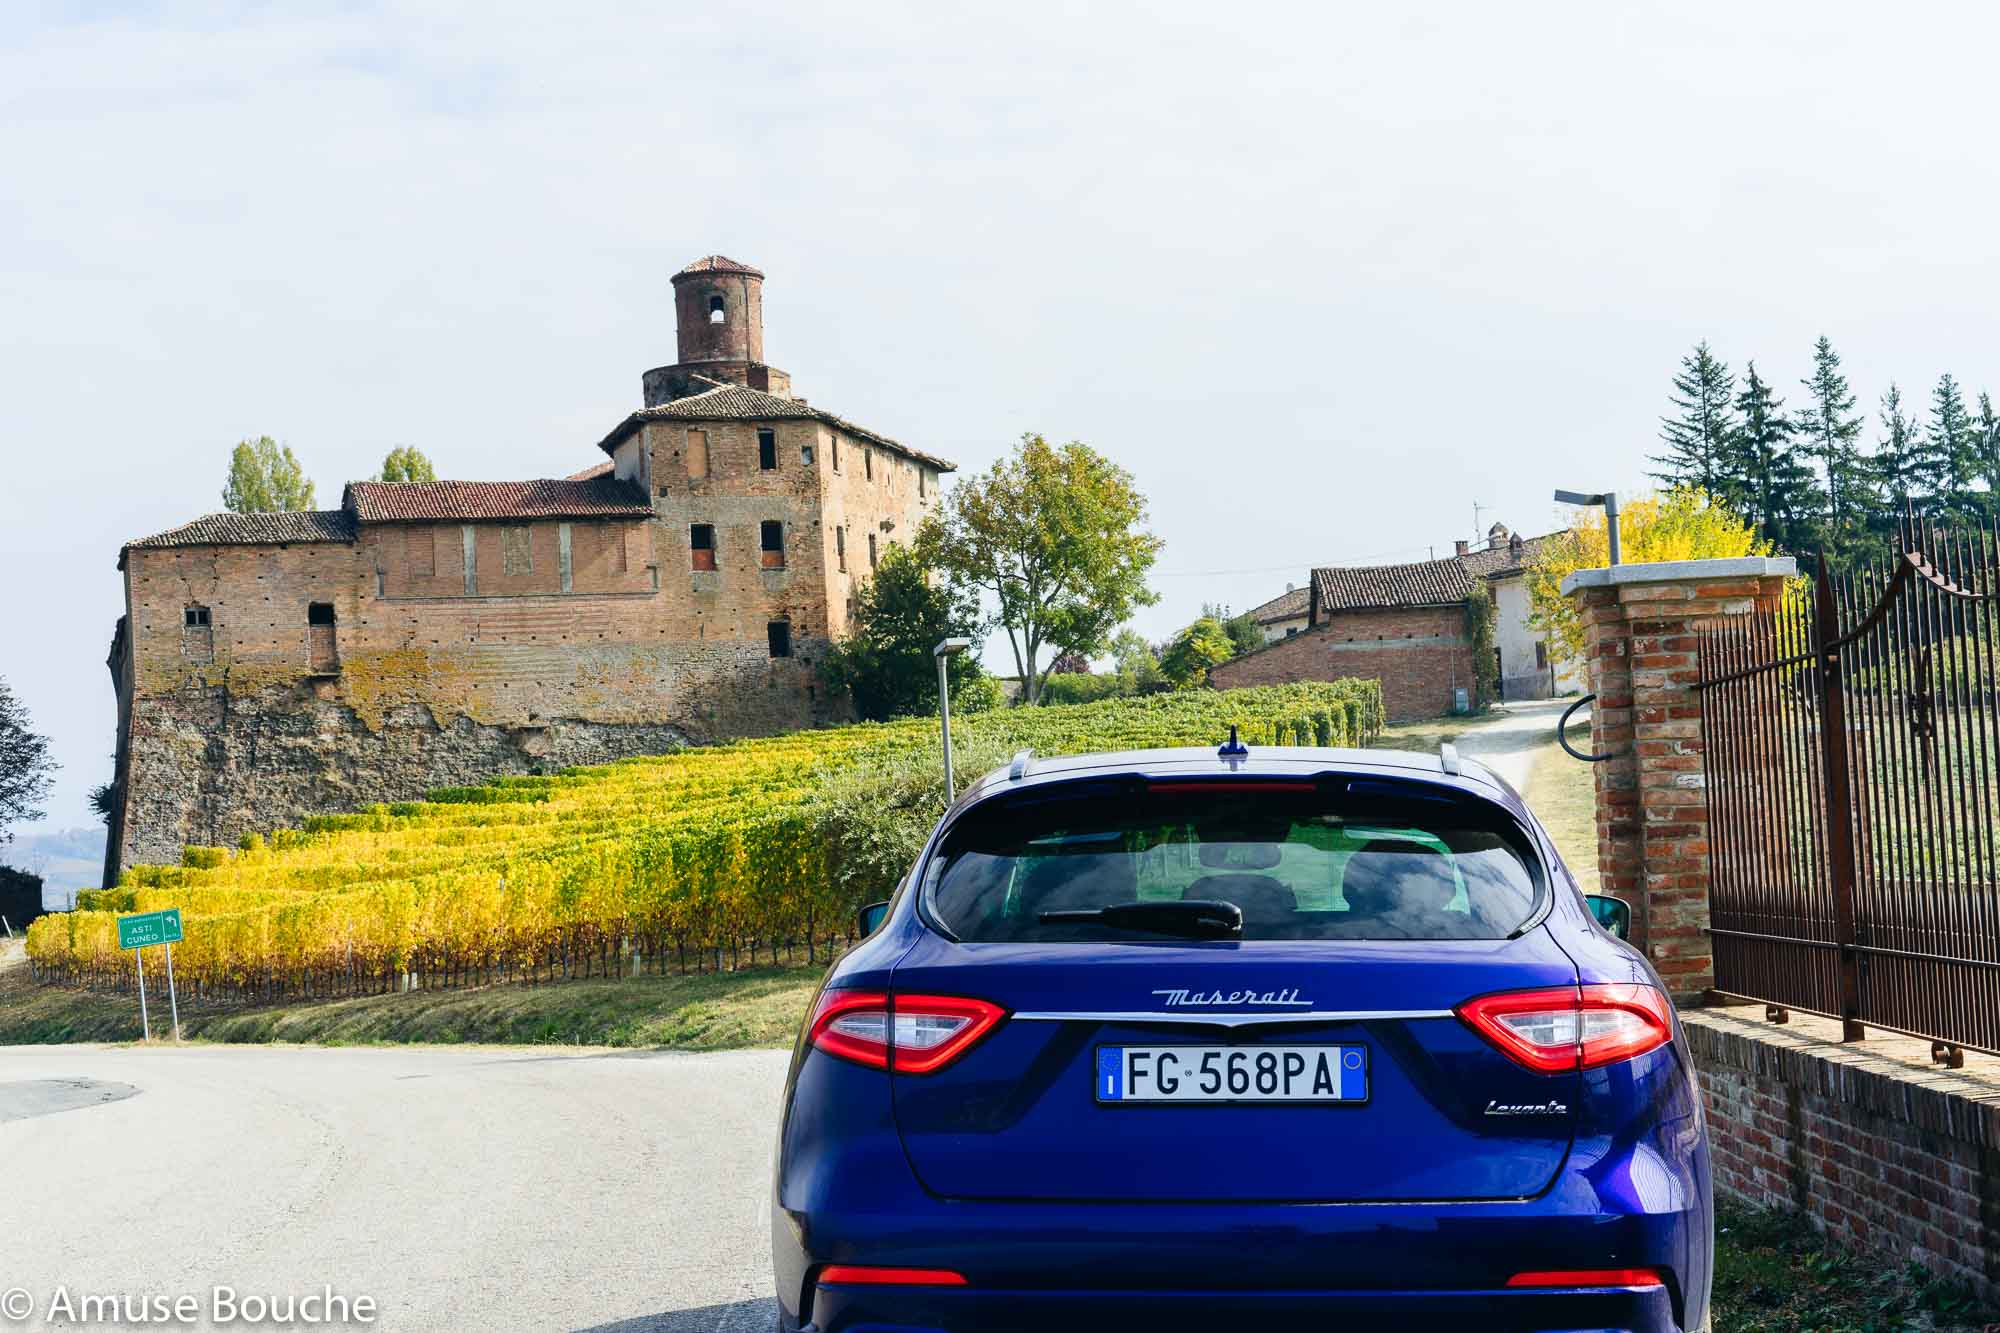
(717, 311)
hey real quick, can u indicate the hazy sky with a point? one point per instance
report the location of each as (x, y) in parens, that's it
(1323, 278)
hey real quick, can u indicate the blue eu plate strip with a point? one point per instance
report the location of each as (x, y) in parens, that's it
(1110, 1074)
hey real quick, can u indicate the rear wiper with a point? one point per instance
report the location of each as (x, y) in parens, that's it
(1196, 918)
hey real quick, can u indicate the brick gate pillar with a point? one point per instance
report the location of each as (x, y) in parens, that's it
(1652, 810)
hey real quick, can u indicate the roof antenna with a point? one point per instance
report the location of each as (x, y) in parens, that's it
(1233, 748)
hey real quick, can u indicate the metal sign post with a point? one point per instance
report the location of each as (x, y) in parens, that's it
(173, 1001)
(145, 1028)
(136, 932)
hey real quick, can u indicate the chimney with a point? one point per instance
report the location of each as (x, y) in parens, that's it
(1460, 544)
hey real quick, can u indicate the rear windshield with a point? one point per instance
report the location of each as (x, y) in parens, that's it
(1301, 862)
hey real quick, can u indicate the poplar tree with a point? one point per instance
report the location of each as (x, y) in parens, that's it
(1781, 495)
(1832, 431)
(265, 478)
(1698, 435)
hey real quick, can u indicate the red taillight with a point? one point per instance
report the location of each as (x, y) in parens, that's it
(1566, 1028)
(924, 1032)
(869, 1276)
(1590, 1277)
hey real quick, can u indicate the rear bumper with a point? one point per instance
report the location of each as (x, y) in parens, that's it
(964, 1310)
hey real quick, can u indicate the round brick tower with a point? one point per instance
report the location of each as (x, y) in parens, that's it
(719, 327)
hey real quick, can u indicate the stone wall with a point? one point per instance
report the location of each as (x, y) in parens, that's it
(1874, 1146)
(1419, 655)
(206, 766)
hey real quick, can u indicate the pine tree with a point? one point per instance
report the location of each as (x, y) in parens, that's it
(1698, 437)
(1832, 433)
(1898, 462)
(1780, 494)
(1949, 457)
(1986, 448)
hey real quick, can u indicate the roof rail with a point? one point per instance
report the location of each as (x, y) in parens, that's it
(1448, 758)
(1018, 769)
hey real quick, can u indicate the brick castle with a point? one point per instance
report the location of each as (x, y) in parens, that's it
(270, 666)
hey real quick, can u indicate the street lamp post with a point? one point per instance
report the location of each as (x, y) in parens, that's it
(1609, 499)
(944, 652)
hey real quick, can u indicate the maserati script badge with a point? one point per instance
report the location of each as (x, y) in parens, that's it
(1267, 999)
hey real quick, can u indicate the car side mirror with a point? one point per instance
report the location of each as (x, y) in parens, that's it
(1614, 914)
(869, 919)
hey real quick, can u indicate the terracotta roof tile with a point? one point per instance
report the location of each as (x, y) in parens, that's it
(309, 525)
(601, 470)
(719, 264)
(735, 403)
(1289, 605)
(472, 501)
(1429, 583)
(1500, 560)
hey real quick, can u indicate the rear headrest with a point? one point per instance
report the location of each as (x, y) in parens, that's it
(1264, 900)
(1388, 874)
(1241, 855)
(1072, 882)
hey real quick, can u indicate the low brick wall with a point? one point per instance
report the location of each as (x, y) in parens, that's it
(1873, 1143)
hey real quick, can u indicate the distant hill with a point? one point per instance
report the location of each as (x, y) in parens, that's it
(68, 860)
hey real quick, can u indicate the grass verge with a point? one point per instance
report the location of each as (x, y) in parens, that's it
(704, 1012)
(1428, 733)
(1775, 1274)
(1563, 794)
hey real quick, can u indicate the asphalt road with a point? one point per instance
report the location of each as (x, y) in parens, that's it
(460, 1188)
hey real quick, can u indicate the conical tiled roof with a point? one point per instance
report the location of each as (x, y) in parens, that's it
(718, 264)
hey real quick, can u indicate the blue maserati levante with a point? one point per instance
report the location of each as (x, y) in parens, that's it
(1218, 1039)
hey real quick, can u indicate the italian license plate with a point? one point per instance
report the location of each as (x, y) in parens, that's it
(1232, 1074)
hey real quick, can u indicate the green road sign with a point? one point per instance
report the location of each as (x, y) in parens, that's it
(149, 928)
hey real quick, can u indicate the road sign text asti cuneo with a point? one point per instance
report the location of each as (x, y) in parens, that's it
(149, 928)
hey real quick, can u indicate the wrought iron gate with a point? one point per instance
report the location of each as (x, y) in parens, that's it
(1852, 747)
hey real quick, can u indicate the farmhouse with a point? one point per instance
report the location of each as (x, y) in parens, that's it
(685, 587)
(1406, 626)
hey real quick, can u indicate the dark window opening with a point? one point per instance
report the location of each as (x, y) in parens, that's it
(840, 548)
(868, 464)
(1541, 655)
(767, 450)
(806, 454)
(836, 453)
(718, 311)
(321, 649)
(701, 541)
(780, 634)
(923, 483)
(771, 538)
(197, 617)
(871, 550)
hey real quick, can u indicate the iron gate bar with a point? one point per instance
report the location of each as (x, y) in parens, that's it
(1854, 793)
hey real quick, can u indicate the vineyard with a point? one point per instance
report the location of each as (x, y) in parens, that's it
(694, 858)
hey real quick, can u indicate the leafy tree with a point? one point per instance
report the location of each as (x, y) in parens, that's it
(26, 771)
(1069, 664)
(265, 478)
(1055, 533)
(1243, 631)
(900, 615)
(1832, 428)
(1679, 525)
(1138, 661)
(407, 463)
(1698, 438)
(1193, 651)
(104, 800)
(1778, 491)
(1950, 451)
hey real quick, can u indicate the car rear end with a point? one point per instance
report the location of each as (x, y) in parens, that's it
(1163, 1041)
